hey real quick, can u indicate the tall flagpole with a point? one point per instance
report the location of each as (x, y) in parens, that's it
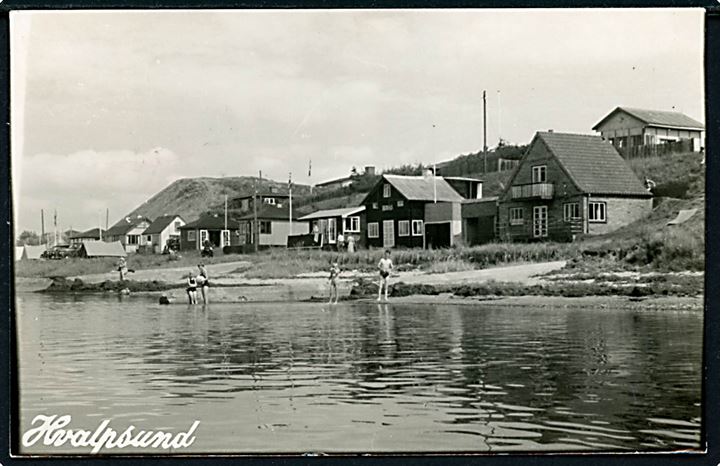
(310, 175)
(434, 183)
(290, 194)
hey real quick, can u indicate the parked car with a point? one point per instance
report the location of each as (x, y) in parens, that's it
(61, 251)
(172, 244)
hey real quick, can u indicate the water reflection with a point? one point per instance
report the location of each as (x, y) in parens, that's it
(367, 377)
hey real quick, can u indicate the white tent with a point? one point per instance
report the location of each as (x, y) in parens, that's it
(102, 249)
(32, 252)
(18, 252)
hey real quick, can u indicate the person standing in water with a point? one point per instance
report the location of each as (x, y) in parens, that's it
(334, 274)
(191, 288)
(203, 282)
(385, 266)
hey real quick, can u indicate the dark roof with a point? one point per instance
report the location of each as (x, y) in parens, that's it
(91, 233)
(211, 222)
(423, 188)
(124, 225)
(270, 212)
(593, 164)
(661, 118)
(160, 224)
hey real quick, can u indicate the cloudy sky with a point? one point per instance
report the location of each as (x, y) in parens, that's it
(110, 107)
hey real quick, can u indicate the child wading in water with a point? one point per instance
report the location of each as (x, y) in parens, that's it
(191, 288)
(334, 273)
(385, 266)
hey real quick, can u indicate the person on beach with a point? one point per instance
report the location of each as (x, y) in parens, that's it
(191, 288)
(334, 274)
(203, 282)
(122, 268)
(385, 266)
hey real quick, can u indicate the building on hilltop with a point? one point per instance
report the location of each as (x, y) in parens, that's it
(635, 131)
(569, 184)
(416, 211)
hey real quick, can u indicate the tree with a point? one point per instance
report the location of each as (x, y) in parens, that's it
(28, 238)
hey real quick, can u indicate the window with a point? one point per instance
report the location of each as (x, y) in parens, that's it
(177, 224)
(352, 224)
(269, 200)
(191, 235)
(400, 203)
(375, 206)
(373, 230)
(203, 237)
(417, 227)
(516, 216)
(386, 190)
(571, 211)
(149, 238)
(404, 228)
(132, 239)
(226, 237)
(539, 174)
(387, 207)
(265, 227)
(596, 212)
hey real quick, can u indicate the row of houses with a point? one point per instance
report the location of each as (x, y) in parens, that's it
(564, 185)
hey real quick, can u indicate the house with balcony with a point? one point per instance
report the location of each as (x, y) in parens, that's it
(567, 185)
(416, 211)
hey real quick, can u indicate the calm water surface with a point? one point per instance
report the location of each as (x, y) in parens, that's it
(365, 377)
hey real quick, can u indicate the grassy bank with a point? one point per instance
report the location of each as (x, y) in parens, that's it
(72, 267)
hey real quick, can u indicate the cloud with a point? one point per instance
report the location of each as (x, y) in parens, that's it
(81, 185)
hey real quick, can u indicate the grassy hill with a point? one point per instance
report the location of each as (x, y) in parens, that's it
(191, 197)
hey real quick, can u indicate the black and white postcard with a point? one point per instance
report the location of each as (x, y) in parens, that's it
(409, 231)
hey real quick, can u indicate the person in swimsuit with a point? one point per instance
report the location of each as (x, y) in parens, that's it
(334, 274)
(385, 266)
(191, 288)
(204, 282)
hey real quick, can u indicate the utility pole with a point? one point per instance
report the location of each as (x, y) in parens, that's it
(484, 132)
(290, 201)
(255, 228)
(226, 229)
(42, 226)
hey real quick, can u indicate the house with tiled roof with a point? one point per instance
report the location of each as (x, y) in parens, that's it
(627, 127)
(570, 184)
(416, 211)
(161, 230)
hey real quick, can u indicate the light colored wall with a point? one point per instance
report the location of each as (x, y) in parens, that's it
(442, 212)
(619, 212)
(281, 230)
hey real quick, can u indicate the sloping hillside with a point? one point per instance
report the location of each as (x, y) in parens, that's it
(190, 197)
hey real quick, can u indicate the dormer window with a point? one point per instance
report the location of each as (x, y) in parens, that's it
(539, 174)
(386, 190)
(269, 200)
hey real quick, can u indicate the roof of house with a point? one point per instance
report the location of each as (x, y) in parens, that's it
(661, 118)
(103, 249)
(126, 224)
(210, 222)
(423, 188)
(160, 224)
(91, 233)
(593, 164)
(462, 178)
(344, 212)
(333, 181)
